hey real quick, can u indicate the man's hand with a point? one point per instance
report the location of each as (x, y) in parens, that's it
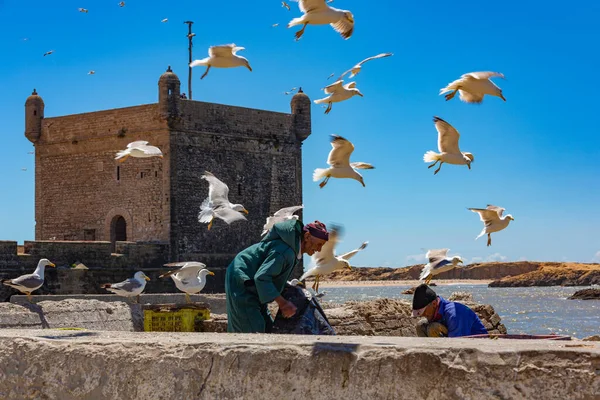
(287, 308)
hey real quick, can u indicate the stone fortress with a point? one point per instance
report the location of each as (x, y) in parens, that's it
(117, 218)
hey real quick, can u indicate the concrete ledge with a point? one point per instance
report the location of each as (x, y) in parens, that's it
(130, 365)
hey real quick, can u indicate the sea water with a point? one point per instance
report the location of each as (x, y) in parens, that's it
(524, 310)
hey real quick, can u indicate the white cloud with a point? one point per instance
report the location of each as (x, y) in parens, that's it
(495, 257)
(416, 259)
(522, 258)
(596, 258)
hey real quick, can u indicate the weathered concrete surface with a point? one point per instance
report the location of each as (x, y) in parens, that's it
(108, 365)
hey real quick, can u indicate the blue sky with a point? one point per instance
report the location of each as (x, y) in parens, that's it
(537, 154)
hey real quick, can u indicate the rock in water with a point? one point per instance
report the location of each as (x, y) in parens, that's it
(586, 294)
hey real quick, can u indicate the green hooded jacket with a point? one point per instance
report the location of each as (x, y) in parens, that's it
(269, 263)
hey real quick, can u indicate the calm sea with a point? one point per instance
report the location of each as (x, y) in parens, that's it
(532, 310)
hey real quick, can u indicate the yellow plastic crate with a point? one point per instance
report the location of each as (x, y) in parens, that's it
(182, 319)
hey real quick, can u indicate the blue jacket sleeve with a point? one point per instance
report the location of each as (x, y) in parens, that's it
(462, 321)
(272, 266)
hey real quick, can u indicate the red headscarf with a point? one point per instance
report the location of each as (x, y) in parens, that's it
(317, 229)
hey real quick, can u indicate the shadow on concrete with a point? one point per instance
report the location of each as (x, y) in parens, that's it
(327, 347)
(69, 335)
(39, 311)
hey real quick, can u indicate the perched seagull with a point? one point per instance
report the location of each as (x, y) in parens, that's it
(217, 203)
(285, 5)
(282, 215)
(438, 263)
(48, 53)
(190, 278)
(30, 282)
(190, 35)
(317, 12)
(83, 10)
(325, 262)
(223, 56)
(357, 68)
(122, 4)
(139, 149)
(129, 287)
(473, 86)
(339, 159)
(448, 147)
(338, 92)
(91, 72)
(165, 20)
(493, 220)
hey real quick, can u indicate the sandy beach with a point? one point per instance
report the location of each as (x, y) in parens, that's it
(324, 284)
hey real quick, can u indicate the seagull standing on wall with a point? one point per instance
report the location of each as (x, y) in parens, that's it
(223, 56)
(438, 263)
(473, 86)
(217, 203)
(317, 12)
(325, 261)
(30, 282)
(139, 149)
(357, 68)
(129, 287)
(448, 147)
(493, 221)
(190, 278)
(339, 159)
(338, 92)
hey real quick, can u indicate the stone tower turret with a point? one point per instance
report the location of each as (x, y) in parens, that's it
(301, 125)
(34, 114)
(168, 95)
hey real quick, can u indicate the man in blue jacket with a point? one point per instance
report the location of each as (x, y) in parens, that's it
(444, 318)
(257, 275)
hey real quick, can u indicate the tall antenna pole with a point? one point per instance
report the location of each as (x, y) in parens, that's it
(190, 35)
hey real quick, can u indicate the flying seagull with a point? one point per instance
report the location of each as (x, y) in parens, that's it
(217, 203)
(48, 53)
(448, 147)
(339, 160)
(357, 68)
(82, 10)
(129, 287)
(473, 86)
(190, 277)
(164, 20)
(92, 72)
(30, 282)
(139, 149)
(317, 12)
(325, 262)
(493, 221)
(438, 263)
(338, 92)
(284, 214)
(285, 5)
(122, 4)
(223, 56)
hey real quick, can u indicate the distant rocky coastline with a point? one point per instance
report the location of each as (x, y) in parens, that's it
(502, 274)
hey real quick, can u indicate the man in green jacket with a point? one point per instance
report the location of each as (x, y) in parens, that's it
(257, 275)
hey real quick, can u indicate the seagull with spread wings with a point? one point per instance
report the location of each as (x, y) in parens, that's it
(493, 221)
(282, 215)
(139, 149)
(190, 277)
(222, 56)
(130, 287)
(337, 92)
(325, 262)
(357, 68)
(217, 203)
(448, 146)
(48, 53)
(83, 10)
(30, 282)
(317, 12)
(438, 262)
(473, 86)
(339, 160)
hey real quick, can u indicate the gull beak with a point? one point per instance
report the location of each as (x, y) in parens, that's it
(161, 156)
(245, 211)
(146, 278)
(349, 267)
(211, 273)
(52, 265)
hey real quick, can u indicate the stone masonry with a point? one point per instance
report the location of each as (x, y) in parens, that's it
(82, 194)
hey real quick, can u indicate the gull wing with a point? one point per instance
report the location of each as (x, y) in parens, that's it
(137, 144)
(344, 27)
(218, 191)
(447, 136)
(335, 86)
(434, 257)
(361, 165)
(488, 217)
(225, 50)
(128, 285)
(382, 55)
(339, 156)
(287, 211)
(307, 6)
(29, 281)
(469, 97)
(352, 253)
(150, 150)
(228, 214)
(499, 210)
(483, 75)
